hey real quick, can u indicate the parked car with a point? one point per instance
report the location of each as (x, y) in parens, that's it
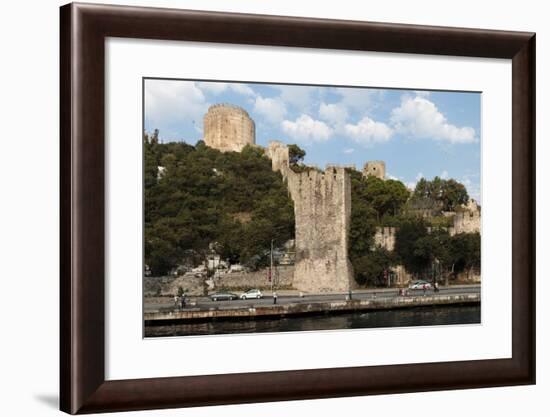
(220, 296)
(253, 293)
(420, 285)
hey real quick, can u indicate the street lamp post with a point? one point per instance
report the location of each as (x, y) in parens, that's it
(271, 266)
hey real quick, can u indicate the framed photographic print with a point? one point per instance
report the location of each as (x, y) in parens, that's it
(263, 208)
(242, 235)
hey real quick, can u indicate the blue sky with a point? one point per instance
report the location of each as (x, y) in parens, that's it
(417, 133)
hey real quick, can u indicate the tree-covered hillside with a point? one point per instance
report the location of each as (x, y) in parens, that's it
(196, 196)
(201, 196)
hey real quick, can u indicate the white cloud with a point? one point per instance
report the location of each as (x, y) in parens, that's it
(307, 129)
(348, 151)
(444, 175)
(242, 89)
(419, 117)
(273, 109)
(170, 103)
(300, 97)
(368, 131)
(218, 88)
(211, 87)
(357, 98)
(335, 113)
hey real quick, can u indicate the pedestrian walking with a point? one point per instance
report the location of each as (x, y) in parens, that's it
(436, 287)
(176, 300)
(274, 298)
(424, 289)
(183, 300)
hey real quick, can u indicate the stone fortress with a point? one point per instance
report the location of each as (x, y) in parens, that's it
(466, 219)
(322, 205)
(228, 128)
(375, 168)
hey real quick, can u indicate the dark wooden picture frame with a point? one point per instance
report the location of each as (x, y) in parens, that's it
(84, 29)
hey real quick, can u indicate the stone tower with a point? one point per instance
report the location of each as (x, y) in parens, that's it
(467, 219)
(280, 158)
(228, 128)
(322, 211)
(375, 168)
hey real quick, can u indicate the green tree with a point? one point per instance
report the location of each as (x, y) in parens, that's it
(453, 194)
(370, 268)
(372, 200)
(206, 196)
(412, 245)
(363, 218)
(434, 250)
(386, 196)
(446, 195)
(295, 154)
(465, 252)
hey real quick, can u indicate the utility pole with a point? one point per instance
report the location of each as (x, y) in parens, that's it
(271, 266)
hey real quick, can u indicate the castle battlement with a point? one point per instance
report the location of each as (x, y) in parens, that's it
(227, 107)
(375, 169)
(344, 166)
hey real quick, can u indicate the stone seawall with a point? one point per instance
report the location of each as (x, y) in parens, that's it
(297, 309)
(237, 281)
(241, 281)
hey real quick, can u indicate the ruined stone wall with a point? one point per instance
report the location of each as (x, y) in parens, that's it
(385, 237)
(168, 285)
(279, 155)
(240, 281)
(322, 211)
(403, 278)
(467, 219)
(228, 128)
(375, 168)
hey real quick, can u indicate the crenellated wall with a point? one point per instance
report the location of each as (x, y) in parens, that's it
(322, 209)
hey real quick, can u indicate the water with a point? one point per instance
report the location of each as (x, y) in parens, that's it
(420, 316)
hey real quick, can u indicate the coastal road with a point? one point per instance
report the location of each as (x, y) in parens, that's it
(288, 297)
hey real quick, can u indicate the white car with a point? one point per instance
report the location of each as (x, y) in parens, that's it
(420, 285)
(254, 293)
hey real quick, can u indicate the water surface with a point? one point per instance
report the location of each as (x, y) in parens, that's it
(420, 316)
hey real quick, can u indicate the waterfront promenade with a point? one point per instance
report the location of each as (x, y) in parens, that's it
(290, 303)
